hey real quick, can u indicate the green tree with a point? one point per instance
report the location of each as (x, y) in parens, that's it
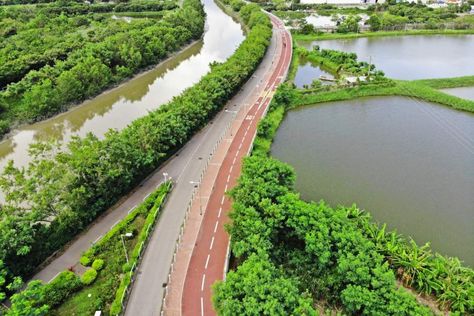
(258, 288)
(374, 22)
(349, 24)
(25, 303)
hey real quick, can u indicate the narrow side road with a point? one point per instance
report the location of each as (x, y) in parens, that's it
(202, 257)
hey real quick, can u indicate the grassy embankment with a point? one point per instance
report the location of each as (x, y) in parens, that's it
(416, 89)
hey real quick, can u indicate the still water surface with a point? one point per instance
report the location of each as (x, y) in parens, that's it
(462, 92)
(409, 163)
(411, 57)
(118, 107)
(307, 72)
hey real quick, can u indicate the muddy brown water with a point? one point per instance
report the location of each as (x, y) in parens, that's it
(409, 163)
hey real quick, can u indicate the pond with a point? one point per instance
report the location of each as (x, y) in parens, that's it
(411, 57)
(307, 72)
(409, 163)
(463, 92)
(135, 98)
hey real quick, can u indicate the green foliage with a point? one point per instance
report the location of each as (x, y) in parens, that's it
(374, 22)
(89, 276)
(444, 83)
(85, 261)
(75, 185)
(29, 302)
(416, 89)
(61, 54)
(60, 288)
(417, 267)
(349, 24)
(259, 288)
(98, 264)
(318, 245)
(108, 289)
(339, 62)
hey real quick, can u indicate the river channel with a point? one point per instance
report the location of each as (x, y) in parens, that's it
(409, 163)
(411, 57)
(118, 107)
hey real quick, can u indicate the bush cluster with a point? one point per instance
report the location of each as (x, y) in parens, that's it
(89, 276)
(98, 264)
(319, 246)
(39, 298)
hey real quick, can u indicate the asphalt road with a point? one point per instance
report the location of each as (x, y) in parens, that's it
(147, 292)
(209, 257)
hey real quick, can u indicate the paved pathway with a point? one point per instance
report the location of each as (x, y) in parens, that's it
(152, 276)
(202, 255)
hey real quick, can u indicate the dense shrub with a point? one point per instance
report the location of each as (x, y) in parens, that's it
(38, 298)
(314, 243)
(61, 287)
(89, 276)
(85, 261)
(259, 288)
(98, 264)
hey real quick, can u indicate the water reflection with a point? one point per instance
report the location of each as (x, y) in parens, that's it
(120, 106)
(411, 57)
(410, 163)
(307, 72)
